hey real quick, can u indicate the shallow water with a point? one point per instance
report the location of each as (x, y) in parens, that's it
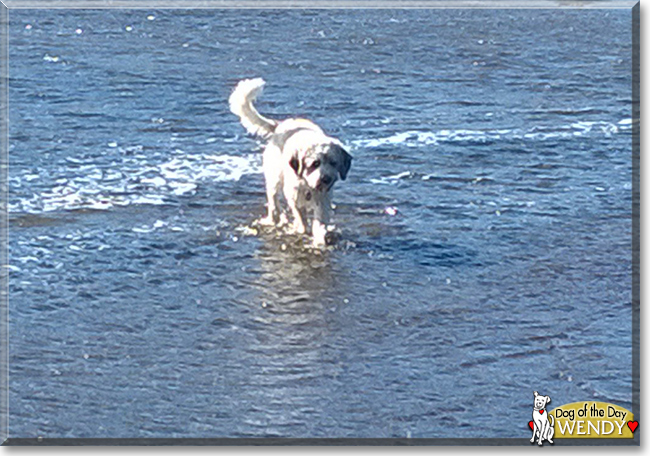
(484, 229)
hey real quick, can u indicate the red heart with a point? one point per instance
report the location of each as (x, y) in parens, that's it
(532, 425)
(541, 412)
(632, 425)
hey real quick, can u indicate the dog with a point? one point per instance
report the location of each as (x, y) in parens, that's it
(543, 428)
(300, 162)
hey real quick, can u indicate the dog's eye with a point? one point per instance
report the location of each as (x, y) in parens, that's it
(316, 164)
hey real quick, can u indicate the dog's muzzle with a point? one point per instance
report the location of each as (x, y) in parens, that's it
(325, 183)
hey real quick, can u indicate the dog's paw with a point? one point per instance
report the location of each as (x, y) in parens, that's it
(297, 228)
(550, 441)
(320, 240)
(283, 220)
(266, 221)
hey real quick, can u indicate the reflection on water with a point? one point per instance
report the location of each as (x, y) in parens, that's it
(294, 285)
(293, 275)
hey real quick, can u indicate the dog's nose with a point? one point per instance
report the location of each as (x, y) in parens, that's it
(326, 180)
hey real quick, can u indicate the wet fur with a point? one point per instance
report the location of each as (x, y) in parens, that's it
(300, 163)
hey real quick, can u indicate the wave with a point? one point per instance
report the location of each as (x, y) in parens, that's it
(415, 138)
(134, 181)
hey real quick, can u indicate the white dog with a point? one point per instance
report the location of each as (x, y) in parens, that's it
(300, 162)
(543, 428)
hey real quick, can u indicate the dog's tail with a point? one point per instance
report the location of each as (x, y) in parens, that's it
(241, 104)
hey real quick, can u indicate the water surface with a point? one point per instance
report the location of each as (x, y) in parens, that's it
(484, 228)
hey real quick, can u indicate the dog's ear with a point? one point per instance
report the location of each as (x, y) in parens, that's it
(535, 393)
(343, 161)
(296, 164)
(548, 399)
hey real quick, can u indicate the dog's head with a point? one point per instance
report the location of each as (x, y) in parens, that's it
(540, 401)
(322, 165)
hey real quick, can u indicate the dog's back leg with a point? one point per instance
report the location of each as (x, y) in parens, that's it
(271, 159)
(273, 187)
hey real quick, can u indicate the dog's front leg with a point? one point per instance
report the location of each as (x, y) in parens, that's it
(321, 220)
(542, 432)
(535, 430)
(293, 196)
(319, 230)
(299, 226)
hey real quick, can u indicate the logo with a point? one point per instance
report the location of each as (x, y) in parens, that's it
(542, 425)
(580, 420)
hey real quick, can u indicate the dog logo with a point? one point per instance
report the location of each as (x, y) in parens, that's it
(542, 425)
